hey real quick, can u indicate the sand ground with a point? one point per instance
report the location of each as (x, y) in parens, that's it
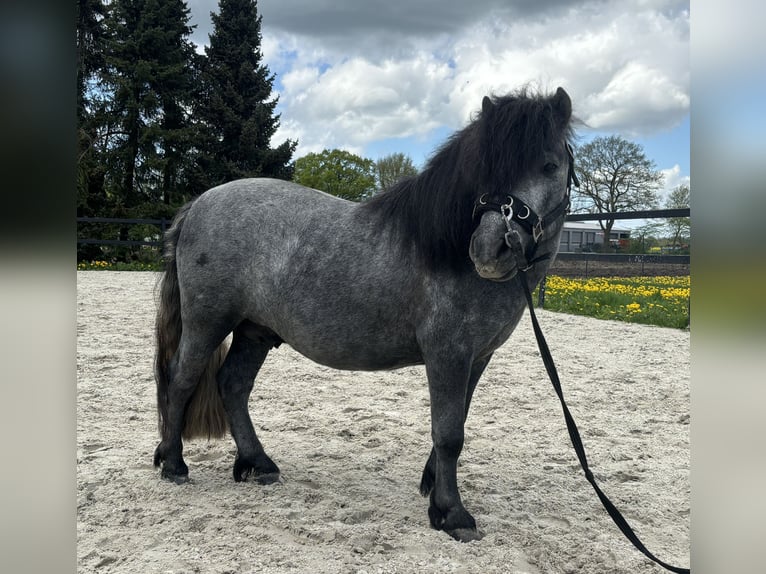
(352, 445)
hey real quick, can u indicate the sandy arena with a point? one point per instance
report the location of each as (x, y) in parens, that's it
(352, 445)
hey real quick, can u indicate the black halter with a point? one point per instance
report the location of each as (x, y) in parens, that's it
(515, 209)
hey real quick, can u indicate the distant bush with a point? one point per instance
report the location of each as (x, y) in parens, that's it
(117, 266)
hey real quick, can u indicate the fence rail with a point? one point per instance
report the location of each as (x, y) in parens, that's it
(163, 224)
(625, 258)
(651, 214)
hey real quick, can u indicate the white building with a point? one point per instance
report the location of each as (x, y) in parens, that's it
(584, 235)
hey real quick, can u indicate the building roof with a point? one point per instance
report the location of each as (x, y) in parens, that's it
(589, 226)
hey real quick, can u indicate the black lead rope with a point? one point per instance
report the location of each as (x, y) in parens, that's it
(574, 434)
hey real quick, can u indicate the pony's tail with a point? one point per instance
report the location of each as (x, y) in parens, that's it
(205, 415)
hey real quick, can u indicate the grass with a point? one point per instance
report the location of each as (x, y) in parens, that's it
(661, 301)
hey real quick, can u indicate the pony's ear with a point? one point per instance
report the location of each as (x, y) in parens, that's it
(562, 105)
(487, 106)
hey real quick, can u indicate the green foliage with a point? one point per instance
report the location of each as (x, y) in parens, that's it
(391, 168)
(337, 172)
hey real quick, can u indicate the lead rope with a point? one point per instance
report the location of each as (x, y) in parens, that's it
(574, 434)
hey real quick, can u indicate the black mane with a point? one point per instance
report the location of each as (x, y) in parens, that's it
(433, 210)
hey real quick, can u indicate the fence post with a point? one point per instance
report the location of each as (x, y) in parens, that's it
(541, 293)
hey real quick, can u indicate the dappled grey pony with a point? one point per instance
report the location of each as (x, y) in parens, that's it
(427, 272)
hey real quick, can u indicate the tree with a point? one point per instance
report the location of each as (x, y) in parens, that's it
(90, 38)
(90, 41)
(235, 104)
(149, 76)
(615, 176)
(391, 168)
(174, 130)
(645, 237)
(337, 172)
(679, 228)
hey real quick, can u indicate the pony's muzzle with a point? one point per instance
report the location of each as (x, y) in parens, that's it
(491, 256)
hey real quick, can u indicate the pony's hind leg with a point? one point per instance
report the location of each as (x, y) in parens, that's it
(196, 350)
(250, 345)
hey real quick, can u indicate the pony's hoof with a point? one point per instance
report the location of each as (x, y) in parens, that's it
(456, 522)
(465, 534)
(177, 473)
(269, 478)
(174, 478)
(262, 469)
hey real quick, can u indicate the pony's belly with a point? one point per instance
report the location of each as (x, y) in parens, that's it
(357, 354)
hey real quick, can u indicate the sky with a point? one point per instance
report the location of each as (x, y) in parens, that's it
(378, 77)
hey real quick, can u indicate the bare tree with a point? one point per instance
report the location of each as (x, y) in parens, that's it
(615, 176)
(679, 228)
(391, 168)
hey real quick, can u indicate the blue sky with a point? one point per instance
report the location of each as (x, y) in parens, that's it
(377, 77)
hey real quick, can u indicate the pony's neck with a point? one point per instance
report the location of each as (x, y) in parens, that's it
(432, 210)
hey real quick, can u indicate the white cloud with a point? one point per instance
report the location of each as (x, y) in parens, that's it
(626, 72)
(638, 100)
(672, 179)
(351, 73)
(357, 101)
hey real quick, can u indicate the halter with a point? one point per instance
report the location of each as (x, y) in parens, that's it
(515, 209)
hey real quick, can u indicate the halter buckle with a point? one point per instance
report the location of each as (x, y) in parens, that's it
(507, 212)
(537, 230)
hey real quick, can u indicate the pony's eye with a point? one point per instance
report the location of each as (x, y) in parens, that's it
(550, 168)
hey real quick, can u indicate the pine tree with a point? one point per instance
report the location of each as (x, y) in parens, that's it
(90, 45)
(172, 81)
(90, 38)
(91, 193)
(235, 106)
(150, 78)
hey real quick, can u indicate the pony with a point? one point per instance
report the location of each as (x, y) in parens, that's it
(427, 272)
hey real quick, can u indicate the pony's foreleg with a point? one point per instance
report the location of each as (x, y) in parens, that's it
(428, 477)
(235, 382)
(448, 378)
